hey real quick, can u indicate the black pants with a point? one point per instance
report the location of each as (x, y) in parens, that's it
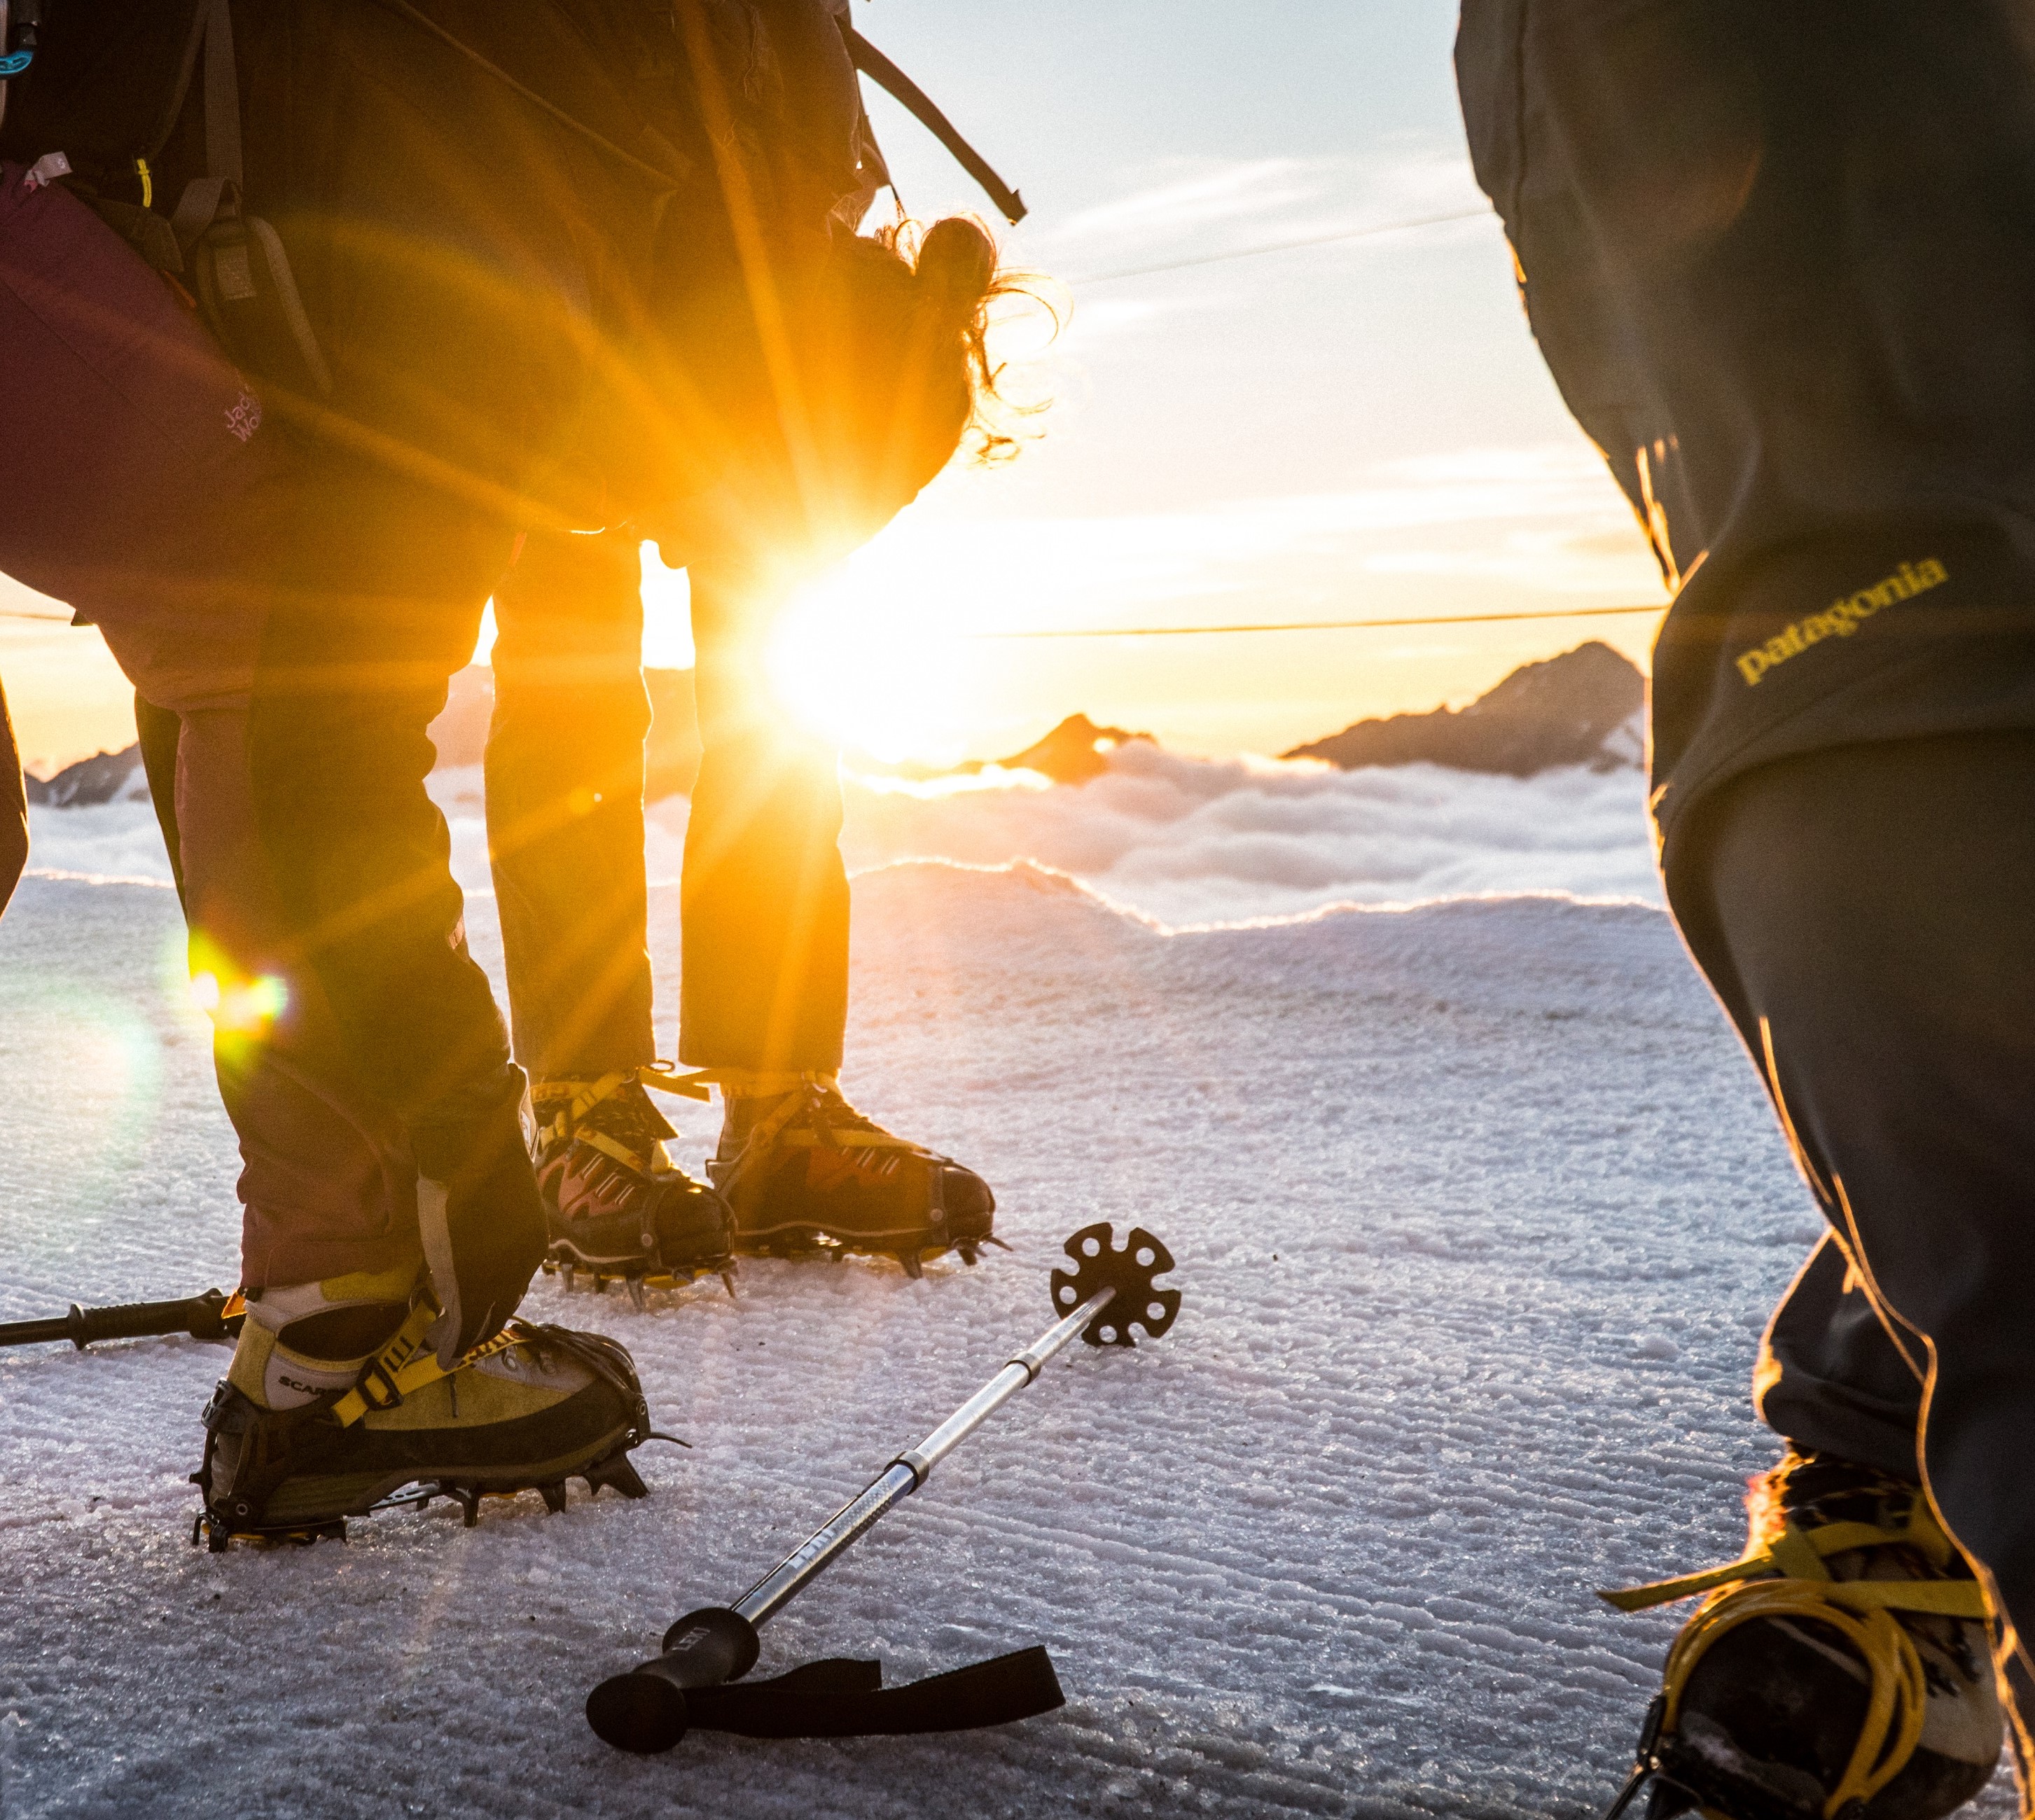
(764, 899)
(1867, 914)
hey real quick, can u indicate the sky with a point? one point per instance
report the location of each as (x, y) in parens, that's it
(1355, 431)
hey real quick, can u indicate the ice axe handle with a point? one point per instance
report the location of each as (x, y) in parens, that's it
(645, 1710)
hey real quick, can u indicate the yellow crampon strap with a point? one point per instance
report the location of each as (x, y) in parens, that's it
(1798, 1555)
(751, 1082)
(692, 1086)
(401, 1367)
(1788, 1579)
(563, 1104)
(772, 1129)
(1898, 1693)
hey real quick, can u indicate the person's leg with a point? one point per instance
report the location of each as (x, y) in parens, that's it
(383, 583)
(328, 1186)
(764, 996)
(564, 835)
(1829, 1377)
(313, 876)
(381, 603)
(565, 804)
(1864, 913)
(764, 900)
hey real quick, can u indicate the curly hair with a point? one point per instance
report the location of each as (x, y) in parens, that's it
(829, 381)
(911, 306)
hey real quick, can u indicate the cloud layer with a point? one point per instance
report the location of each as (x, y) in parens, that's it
(1184, 841)
(1190, 842)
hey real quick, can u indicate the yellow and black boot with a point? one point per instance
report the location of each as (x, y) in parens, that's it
(334, 1405)
(615, 1205)
(1841, 1670)
(802, 1170)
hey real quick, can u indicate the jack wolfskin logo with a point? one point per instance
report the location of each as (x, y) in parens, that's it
(244, 417)
(1841, 618)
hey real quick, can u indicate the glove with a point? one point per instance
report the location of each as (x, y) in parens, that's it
(482, 1229)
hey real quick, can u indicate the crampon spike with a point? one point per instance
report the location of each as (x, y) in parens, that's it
(1630, 1793)
(1646, 1760)
(615, 1470)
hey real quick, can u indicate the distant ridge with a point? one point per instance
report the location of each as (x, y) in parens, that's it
(1584, 707)
(90, 781)
(1074, 752)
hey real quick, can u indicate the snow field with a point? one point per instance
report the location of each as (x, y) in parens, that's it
(1477, 1213)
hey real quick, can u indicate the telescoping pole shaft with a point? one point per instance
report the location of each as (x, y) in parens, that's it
(1107, 1290)
(910, 1470)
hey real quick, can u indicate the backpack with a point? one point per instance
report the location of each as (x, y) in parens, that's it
(106, 86)
(93, 90)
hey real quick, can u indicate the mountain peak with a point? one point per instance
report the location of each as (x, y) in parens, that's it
(1581, 707)
(1074, 752)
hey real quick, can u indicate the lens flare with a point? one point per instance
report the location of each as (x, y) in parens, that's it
(239, 1004)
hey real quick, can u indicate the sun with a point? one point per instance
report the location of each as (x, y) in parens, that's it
(867, 658)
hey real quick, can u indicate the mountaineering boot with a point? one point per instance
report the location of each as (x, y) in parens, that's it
(801, 1169)
(1840, 1671)
(334, 1402)
(615, 1204)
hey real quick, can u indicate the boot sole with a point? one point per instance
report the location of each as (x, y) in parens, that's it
(800, 1240)
(567, 1261)
(310, 1510)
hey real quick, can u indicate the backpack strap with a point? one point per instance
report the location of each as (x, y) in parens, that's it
(901, 89)
(206, 198)
(242, 270)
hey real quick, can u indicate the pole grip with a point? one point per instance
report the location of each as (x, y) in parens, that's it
(197, 1315)
(645, 1709)
(201, 1317)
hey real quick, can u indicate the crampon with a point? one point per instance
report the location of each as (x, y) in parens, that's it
(805, 1174)
(526, 1411)
(1840, 1671)
(617, 1209)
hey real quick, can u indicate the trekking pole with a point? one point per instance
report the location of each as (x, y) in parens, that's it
(655, 1704)
(214, 1315)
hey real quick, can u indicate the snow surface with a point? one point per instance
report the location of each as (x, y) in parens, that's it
(1477, 1212)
